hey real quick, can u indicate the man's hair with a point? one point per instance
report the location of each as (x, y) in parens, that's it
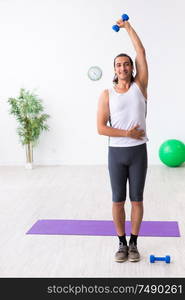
(115, 79)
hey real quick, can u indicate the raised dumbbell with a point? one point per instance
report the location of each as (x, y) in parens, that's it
(124, 18)
(166, 258)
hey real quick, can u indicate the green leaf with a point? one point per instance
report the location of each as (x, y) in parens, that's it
(27, 108)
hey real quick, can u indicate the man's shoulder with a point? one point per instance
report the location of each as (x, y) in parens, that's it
(104, 96)
(105, 92)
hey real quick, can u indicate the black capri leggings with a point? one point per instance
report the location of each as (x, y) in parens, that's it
(131, 163)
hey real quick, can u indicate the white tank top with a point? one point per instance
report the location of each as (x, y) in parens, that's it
(127, 110)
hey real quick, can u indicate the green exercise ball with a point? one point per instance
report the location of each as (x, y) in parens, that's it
(172, 153)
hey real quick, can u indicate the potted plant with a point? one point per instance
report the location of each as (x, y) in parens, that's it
(27, 109)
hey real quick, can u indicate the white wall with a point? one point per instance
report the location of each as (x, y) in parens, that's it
(50, 44)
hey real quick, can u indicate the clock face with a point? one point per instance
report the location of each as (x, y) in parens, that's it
(94, 73)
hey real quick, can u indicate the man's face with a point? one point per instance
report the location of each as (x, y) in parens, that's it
(123, 68)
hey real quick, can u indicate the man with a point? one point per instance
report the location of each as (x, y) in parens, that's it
(124, 106)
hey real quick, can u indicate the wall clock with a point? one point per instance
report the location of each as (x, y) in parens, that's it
(94, 73)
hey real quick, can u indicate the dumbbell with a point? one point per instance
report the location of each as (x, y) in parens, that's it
(166, 258)
(124, 18)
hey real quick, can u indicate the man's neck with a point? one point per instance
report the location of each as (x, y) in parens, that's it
(123, 84)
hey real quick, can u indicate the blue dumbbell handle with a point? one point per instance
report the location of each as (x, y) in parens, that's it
(160, 258)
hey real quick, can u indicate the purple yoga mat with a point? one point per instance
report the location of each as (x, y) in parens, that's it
(102, 228)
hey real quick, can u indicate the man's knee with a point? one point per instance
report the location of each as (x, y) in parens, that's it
(118, 204)
(137, 203)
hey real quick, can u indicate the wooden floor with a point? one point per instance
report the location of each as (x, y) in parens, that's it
(83, 192)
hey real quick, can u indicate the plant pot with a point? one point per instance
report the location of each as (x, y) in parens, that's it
(29, 166)
(29, 156)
